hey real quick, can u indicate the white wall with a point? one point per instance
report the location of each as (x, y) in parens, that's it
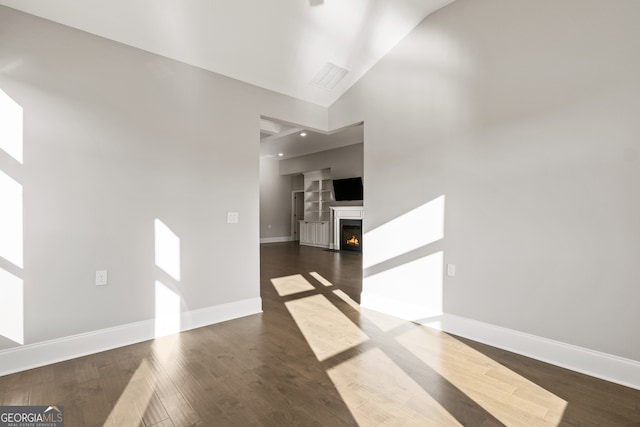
(525, 116)
(275, 200)
(297, 182)
(115, 138)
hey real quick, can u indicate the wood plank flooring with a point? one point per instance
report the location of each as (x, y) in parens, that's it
(313, 358)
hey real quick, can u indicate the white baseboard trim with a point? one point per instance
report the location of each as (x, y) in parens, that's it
(590, 362)
(399, 309)
(47, 352)
(276, 239)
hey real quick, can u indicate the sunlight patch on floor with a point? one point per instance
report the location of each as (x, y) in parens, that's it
(289, 285)
(378, 392)
(135, 399)
(167, 348)
(320, 279)
(327, 330)
(383, 321)
(346, 298)
(508, 396)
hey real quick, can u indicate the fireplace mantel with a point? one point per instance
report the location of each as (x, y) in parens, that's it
(343, 212)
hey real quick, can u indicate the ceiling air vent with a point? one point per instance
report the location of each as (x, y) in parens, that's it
(329, 76)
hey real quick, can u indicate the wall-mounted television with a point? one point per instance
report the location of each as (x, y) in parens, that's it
(347, 189)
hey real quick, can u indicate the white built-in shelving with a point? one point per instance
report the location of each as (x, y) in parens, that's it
(318, 196)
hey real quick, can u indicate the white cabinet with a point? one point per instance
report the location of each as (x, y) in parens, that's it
(322, 233)
(314, 233)
(307, 231)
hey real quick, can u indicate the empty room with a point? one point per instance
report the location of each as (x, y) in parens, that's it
(319, 213)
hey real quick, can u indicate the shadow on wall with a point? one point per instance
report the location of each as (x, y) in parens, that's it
(11, 221)
(403, 271)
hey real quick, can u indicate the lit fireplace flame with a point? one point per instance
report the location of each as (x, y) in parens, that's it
(353, 241)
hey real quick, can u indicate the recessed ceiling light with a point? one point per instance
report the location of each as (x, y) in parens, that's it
(303, 134)
(280, 154)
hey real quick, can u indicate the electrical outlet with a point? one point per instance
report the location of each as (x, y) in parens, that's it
(232, 217)
(101, 277)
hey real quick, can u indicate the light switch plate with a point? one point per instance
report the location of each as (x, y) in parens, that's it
(451, 270)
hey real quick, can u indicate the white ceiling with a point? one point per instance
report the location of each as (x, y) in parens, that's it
(288, 141)
(279, 45)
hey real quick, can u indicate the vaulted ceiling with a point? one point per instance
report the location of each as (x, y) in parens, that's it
(281, 45)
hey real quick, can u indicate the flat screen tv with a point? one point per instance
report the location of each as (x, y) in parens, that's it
(347, 189)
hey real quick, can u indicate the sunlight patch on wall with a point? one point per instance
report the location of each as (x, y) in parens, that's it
(11, 245)
(508, 396)
(10, 126)
(412, 230)
(289, 285)
(11, 307)
(409, 291)
(327, 330)
(379, 392)
(11, 223)
(167, 316)
(167, 245)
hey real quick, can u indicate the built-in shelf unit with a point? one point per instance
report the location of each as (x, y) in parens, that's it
(318, 196)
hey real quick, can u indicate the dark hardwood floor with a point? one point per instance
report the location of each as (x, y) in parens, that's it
(313, 358)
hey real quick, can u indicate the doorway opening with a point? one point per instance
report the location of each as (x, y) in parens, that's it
(298, 166)
(297, 213)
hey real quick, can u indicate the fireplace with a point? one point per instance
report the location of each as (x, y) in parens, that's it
(351, 235)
